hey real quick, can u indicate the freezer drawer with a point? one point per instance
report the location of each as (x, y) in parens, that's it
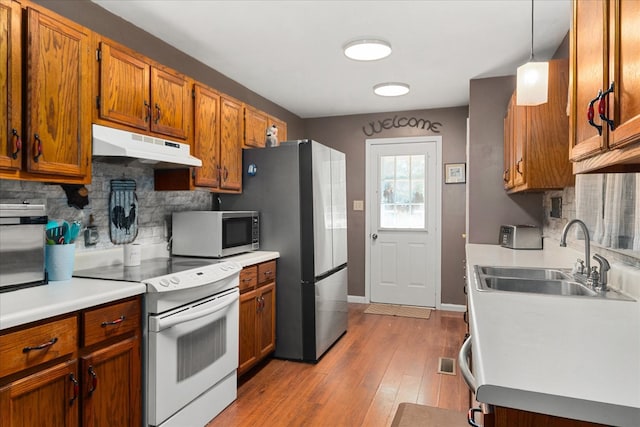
(331, 310)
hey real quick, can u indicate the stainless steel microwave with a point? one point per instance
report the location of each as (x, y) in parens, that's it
(215, 234)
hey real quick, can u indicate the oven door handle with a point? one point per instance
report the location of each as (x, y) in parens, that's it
(157, 324)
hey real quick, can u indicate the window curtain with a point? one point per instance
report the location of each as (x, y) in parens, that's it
(609, 205)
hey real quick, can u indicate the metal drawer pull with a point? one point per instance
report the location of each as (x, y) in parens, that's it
(267, 273)
(17, 143)
(471, 417)
(94, 380)
(42, 346)
(591, 114)
(602, 107)
(37, 145)
(76, 388)
(113, 322)
(463, 362)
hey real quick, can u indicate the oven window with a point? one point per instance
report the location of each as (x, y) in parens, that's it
(201, 348)
(236, 232)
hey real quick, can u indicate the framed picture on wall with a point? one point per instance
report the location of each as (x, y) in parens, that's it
(455, 173)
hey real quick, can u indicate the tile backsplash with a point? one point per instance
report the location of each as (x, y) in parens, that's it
(154, 207)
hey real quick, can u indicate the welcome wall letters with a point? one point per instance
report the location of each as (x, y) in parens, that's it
(399, 122)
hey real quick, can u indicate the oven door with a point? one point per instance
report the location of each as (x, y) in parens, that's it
(191, 348)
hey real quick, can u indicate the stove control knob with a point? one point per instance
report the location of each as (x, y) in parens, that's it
(175, 279)
(164, 282)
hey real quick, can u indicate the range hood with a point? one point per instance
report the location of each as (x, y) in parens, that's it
(116, 143)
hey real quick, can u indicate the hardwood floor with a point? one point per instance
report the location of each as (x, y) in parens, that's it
(379, 363)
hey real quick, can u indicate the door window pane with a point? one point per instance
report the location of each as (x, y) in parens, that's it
(402, 184)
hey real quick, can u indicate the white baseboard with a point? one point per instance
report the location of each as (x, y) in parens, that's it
(357, 299)
(453, 307)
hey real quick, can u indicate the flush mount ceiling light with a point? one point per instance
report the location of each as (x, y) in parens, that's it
(367, 49)
(532, 83)
(391, 89)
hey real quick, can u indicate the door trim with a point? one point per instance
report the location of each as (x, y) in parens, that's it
(438, 218)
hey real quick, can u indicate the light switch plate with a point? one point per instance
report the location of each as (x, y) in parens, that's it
(358, 205)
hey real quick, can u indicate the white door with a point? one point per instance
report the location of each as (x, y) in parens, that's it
(403, 207)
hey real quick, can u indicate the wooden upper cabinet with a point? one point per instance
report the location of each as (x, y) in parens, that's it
(604, 74)
(535, 155)
(231, 136)
(58, 128)
(624, 70)
(10, 85)
(589, 70)
(206, 141)
(124, 87)
(171, 103)
(282, 128)
(135, 92)
(256, 123)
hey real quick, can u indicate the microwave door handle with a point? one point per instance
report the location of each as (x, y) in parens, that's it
(195, 313)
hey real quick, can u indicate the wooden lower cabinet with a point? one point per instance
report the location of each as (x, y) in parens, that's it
(83, 368)
(48, 397)
(508, 417)
(257, 315)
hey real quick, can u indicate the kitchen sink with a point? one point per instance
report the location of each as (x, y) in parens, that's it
(541, 286)
(526, 273)
(544, 281)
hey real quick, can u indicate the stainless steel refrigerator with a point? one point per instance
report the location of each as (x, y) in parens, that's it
(299, 188)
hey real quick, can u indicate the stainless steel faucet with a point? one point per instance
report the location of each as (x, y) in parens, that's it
(587, 242)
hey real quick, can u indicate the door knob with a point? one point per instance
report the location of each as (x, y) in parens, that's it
(374, 236)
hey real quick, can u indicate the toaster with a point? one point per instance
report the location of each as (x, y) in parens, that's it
(520, 237)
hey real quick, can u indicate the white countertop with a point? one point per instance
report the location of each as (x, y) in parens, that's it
(574, 357)
(40, 302)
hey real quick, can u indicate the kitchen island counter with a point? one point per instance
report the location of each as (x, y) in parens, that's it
(572, 357)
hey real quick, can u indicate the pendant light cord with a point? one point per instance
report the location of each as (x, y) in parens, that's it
(531, 57)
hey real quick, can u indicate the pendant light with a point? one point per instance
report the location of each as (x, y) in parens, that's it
(532, 79)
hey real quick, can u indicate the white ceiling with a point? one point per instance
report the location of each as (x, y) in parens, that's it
(290, 52)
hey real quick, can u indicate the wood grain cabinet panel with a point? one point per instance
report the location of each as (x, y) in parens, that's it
(57, 139)
(257, 314)
(46, 398)
(231, 136)
(256, 123)
(206, 141)
(604, 59)
(138, 93)
(10, 86)
(111, 321)
(32, 346)
(536, 137)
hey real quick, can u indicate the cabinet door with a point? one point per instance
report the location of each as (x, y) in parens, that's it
(519, 132)
(508, 169)
(282, 128)
(124, 87)
(171, 100)
(58, 131)
(255, 127)
(45, 398)
(589, 70)
(111, 385)
(625, 110)
(266, 331)
(10, 86)
(231, 135)
(206, 141)
(248, 317)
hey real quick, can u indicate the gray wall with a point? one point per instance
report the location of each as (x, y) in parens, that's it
(345, 133)
(107, 24)
(489, 204)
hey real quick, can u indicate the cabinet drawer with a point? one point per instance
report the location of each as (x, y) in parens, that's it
(267, 272)
(37, 344)
(248, 278)
(110, 321)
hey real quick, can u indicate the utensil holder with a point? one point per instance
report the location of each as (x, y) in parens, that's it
(59, 261)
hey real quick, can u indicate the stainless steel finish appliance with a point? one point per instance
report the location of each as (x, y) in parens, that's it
(22, 240)
(191, 333)
(215, 234)
(299, 188)
(520, 237)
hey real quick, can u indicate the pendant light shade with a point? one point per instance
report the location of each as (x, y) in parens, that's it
(532, 84)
